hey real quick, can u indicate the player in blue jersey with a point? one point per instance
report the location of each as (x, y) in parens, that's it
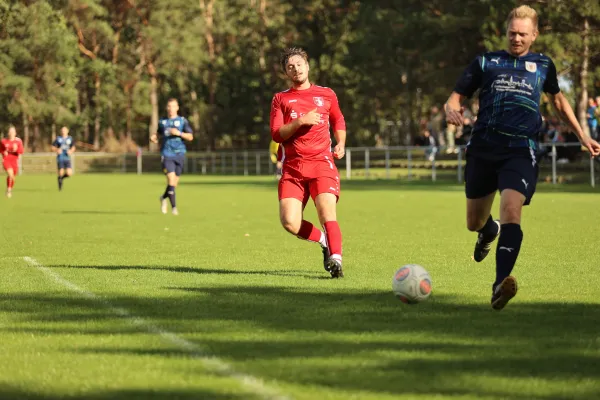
(64, 146)
(172, 132)
(501, 152)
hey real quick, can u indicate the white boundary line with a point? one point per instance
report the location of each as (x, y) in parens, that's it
(211, 363)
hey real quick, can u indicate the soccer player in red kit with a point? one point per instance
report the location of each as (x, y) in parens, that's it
(300, 120)
(10, 148)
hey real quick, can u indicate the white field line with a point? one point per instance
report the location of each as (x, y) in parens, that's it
(212, 363)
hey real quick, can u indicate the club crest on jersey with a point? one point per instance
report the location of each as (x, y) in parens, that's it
(318, 101)
(530, 66)
(176, 123)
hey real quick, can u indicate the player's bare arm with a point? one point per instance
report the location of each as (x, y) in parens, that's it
(454, 110)
(154, 138)
(310, 118)
(71, 150)
(566, 114)
(340, 148)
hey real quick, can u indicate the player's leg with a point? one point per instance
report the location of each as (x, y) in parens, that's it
(170, 191)
(517, 182)
(10, 180)
(168, 167)
(325, 191)
(293, 196)
(173, 182)
(326, 209)
(481, 183)
(61, 174)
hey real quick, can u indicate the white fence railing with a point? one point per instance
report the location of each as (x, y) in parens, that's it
(560, 162)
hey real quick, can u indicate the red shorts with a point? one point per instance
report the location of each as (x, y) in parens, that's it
(10, 164)
(303, 179)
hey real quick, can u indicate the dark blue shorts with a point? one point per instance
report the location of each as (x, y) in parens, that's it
(173, 164)
(63, 164)
(484, 175)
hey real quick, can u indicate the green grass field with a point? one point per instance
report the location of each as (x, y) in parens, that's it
(103, 297)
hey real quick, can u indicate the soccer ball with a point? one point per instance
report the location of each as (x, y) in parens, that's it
(411, 284)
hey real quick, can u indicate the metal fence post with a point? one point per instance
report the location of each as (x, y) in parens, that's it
(20, 165)
(553, 154)
(245, 163)
(222, 163)
(124, 165)
(409, 164)
(73, 162)
(213, 165)
(433, 172)
(459, 169)
(367, 162)
(387, 163)
(204, 165)
(139, 162)
(592, 172)
(348, 164)
(257, 163)
(234, 163)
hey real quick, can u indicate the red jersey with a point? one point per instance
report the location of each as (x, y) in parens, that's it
(10, 149)
(308, 141)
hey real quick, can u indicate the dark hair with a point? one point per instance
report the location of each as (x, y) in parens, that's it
(171, 99)
(290, 52)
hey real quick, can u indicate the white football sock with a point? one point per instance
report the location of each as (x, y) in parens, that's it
(323, 240)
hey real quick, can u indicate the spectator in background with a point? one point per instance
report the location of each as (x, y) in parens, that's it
(426, 139)
(592, 118)
(276, 154)
(436, 125)
(598, 118)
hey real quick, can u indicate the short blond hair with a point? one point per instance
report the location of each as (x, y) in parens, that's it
(523, 12)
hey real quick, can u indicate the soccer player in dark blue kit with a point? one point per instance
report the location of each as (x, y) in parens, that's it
(501, 152)
(172, 132)
(64, 147)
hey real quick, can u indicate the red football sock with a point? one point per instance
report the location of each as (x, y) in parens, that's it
(10, 182)
(334, 237)
(309, 232)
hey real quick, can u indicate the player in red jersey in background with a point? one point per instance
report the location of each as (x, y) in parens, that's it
(300, 120)
(11, 148)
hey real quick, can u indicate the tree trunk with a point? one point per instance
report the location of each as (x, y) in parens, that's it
(207, 10)
(582, 102)
(97, 111)
(154, 102)
(53, 129)
(196, 118)
(25, 130)
(36, 137)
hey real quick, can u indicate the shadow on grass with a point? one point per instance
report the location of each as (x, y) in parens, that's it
(15, 393)
(205, 271)
(354, 340)
(102, 212)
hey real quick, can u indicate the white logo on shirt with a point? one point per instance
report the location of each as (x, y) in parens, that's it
(496, 60)
(292, 100)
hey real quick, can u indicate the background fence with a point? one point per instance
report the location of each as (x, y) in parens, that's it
(559, 163)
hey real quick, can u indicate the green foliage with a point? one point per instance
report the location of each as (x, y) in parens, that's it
(89, 63)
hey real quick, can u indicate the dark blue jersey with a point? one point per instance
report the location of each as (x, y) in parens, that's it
(65, 144)
(509, 97)
(172, 146)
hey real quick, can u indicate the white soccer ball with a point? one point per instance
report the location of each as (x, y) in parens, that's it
(411, 284)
